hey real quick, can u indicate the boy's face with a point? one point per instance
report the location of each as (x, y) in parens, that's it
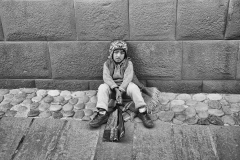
(118, 55)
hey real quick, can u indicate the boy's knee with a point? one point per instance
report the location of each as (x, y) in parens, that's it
(132, 87)
(103, 87)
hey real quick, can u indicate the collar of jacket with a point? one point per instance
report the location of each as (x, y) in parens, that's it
(123, 65)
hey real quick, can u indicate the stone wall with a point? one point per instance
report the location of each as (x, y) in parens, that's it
(177, 46)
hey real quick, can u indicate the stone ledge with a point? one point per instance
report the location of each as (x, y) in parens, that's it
(200, 108)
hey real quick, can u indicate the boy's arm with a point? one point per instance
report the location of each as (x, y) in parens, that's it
(107, 78)
(127, 78)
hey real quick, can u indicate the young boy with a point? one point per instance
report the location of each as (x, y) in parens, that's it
(119, 77)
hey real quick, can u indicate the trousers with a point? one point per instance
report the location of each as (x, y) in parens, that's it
(132, 90)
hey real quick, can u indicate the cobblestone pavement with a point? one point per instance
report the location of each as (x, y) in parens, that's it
(201, 108)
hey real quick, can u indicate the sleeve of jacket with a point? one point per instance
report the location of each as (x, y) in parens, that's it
(107, 77)
(128, 76)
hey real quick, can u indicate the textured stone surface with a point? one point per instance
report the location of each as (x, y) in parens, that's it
(199, 97)
(176, 86)
(67, 62)
(1, 31)
(94, 84)
(24, 60)
(16, 83)
(157, 59)
(233, 23)
(209, 59)
(102, 20)
(203, 19)
(214, 97)
(152, 20)
(224, 86)
(38, 20)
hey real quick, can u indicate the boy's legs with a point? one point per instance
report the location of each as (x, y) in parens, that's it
(102, 105)
(134, 92)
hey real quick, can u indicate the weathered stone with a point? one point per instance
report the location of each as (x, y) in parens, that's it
(201, 20)
(102, 20)
(165, 107)
(8, 96)
(68, 113)
(16, 101)
(20, 95)
(176, 121)
(163, 100)
(55, 108)
(29, 90)
(176, 103)
(86, 118)
(214, 97)
(236, 117)
(57, 115)
(17, 83)
(191, 102)
(226, 110)
(79, 106)
(78, 94)
(94, 84)
(233, 24)
(33, 113)
(184, 97)
(200, 106)
(190, 112)
(21, 60)
(166, 116)
(85, 66)
(14, 91)
(3, 92)
(93, 99)
(165, 53)
(215, 120)
(191, 121)
(67, 107)
(153, 117)
(45, 20)
(228, 120)
(216, 112)
(43, 107)
(31, 95)
(178, 108)
(34, 105)
(209, 59)
(180, 117)
(41, 93)
(158, 27)
(234, 107)
(83, 99)
(45, 114)
(169, 96)
(53, 93)
(1, 98)
(73, 101)
(5, 107)
(221, 86)
(232, 98)
(65, 93)
(27, 102)
(203, 121)
(79, 114)
(203, 114)
(19, 108)
(214, 104)
(223, 102)
(10, 113)
(91, 93)
(58, 100)
(48, 99)
(199, 97)
(37, 99)
(88, 112)
(91, 106)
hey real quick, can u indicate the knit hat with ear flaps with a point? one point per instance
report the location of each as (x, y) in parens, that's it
(118, 44)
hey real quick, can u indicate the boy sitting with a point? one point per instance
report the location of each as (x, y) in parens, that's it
(119, 77)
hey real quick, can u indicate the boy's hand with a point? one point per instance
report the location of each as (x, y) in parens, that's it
(118, 96)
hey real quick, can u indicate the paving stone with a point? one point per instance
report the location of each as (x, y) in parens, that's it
(216, 112)
(178, 108)
(73, 101)
(234, 107)
(8, 96)
(16, 101)
(214, 104)
(19, 108)
(48, 99)
(1, 98)
(226, 110)
(192, 120)
(78, 94)
(177, 103)
(79, 106)
(3, 92)
(79, 114)
(10, 113)
(67, 107)
(31, 95)
(55, 107)
(65, 93)
(191, 102)
(153, 117)
(228, 120)
(45, 114)
(214, 97)
(166, 116)
(33, 113)
(215, 120)
(14, 91)
(169, 96)
(91, 106)
(163, 100)
(200, 106)
(64, 102)
(93, 99)
(41, 93)
(37, 99)
(203, 121)
(5, 107)
(88, 112)
(5, 101)
(20, 95)
(223, 102)
(236, 117)
(2, 113)
(190, 112)
(91, 93)
(34, 105)
(86, 118)
(166, 107)
(68, 113)
(84, 99)
(199, 97)
(43, 107)
(27, 102)
(180, 117)
(176, 121)
(232, 98)
(184, 97)
(54, 93)
(29, 90)
(58, 100)
(203, 114)
(57, 115)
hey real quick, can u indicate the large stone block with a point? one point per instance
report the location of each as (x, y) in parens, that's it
(73, 85)
(238, 63)
(209, 59)
(202, 19)
(233, 20)
(156, 59)
(24, 60)
(17, 83)
(176, 86)
(1, 31)
(38, 20)
(224, 86)
(94, 84)
(102, 20)
(152, 20)
(78, 60)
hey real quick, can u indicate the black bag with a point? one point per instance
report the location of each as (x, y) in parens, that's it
(114, 129)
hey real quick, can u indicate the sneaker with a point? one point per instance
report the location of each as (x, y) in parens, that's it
(98, 120)
(147, 122)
